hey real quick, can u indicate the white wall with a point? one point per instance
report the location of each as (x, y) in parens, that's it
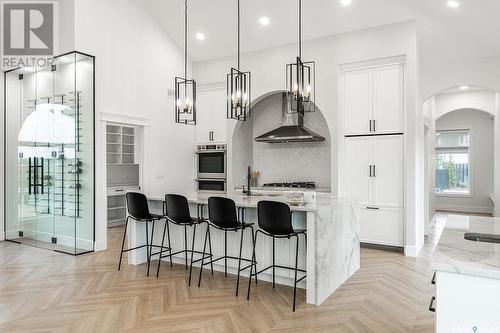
(479, 72)
(136, 63)
(430, 176)
(482, 176)
(268, 66)
(481, 100)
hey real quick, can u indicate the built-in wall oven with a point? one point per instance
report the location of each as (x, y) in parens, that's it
(212, 167)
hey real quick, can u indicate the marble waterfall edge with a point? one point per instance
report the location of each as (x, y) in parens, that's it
(337, 245)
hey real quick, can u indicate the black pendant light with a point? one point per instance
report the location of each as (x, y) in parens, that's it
(300, 78)
(239, 97)
(185, 89)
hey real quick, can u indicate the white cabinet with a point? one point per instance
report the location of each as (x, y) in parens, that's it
(358, 161)
(381, 225)
(358, 102)
(211, 116)
(466, 302)
(374, 100)
(387, 173)
(374, 175)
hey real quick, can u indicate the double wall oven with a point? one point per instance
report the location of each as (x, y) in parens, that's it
(212, 167)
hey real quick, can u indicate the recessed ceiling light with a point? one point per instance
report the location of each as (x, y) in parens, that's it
(345, 3)
(200, 36)
(453, 4)
(264, 20)
(463, 87)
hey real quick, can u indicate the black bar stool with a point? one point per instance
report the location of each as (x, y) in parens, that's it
(176, 211)
(222, 216)
(138, 210)
(275, 220)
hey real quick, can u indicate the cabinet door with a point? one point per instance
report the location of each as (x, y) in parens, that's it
(219, 115)
(388, 178)
(388, 99)
(383, 226)
(357, 102)
(203, 117)
(357, 182)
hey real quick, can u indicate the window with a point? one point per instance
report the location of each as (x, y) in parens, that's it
(453, 162)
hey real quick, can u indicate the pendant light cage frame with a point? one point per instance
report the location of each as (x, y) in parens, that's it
(239, 92)
(184, 88)
(301, 86)
(239, 88)
(185, 101)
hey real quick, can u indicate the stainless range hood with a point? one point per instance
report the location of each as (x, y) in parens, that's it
(293, 129)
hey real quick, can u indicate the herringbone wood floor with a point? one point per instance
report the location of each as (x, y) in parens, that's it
(44, 291)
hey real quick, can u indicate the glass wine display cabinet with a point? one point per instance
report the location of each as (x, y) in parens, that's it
(49, 155)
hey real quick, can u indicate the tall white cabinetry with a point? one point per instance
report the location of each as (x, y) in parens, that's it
(211, 116)
(374, 151)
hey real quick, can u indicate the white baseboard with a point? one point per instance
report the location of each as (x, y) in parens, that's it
(100, 246)
(412, 251)
(465, 209)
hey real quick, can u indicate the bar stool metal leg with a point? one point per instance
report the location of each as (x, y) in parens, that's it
(147, 243)
(211, 254)
(192, 252)
(252, 266)
(254, 262)
(295, 277)
(239, 261)
(169, 244)
(186, 245)
(274, 283)
(162, 244)
(203, 258)
(123, 243)
(225, 253)
(151, 245)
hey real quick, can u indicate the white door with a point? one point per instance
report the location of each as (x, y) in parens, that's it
(357, 182)
(219, 115)
(379, 225)
(357, 102)
(388, 99)
(203, 117)
(388, 171)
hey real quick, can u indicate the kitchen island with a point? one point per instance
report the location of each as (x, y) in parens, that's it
(331, 257)
(467, 277)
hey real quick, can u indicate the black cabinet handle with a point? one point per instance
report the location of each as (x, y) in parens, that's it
(374, 125)
(370, 170)
(372, 208)
(432, 306)
(370, 125)
(374, 171)
(433, 281)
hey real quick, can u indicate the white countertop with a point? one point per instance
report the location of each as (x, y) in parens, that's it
(241, 200)
(458, 255)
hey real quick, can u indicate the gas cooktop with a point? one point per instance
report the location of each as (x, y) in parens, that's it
(293, 184)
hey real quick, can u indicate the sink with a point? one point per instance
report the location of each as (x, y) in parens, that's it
(486, 238)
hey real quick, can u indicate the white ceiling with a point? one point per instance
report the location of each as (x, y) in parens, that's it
(472, 30)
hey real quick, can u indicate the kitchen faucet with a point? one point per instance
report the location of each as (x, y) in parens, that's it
(248, 191)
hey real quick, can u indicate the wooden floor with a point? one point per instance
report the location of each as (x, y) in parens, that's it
(44, 291)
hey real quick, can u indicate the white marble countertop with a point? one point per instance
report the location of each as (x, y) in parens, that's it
(457, 255)
(241, 200)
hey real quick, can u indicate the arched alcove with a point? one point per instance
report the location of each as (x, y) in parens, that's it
(279, 162)
(470, 107)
